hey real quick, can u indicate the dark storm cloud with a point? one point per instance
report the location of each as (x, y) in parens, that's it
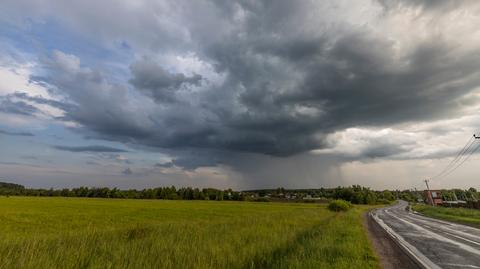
(5, 132)
(381, 151)
(282, 89)
(157, 82)
(88, 149)
(164, 165)
(193, 159)
(113, 157)
(359, 87)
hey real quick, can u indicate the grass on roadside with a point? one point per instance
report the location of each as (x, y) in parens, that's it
(100, 233)
(460, 215)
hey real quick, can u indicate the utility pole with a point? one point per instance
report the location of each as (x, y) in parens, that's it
(429, 194)
(476, 136)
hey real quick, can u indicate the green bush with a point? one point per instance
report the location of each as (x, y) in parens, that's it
(382, 201)
(339, 205)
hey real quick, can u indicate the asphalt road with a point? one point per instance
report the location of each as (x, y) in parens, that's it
(436, 243)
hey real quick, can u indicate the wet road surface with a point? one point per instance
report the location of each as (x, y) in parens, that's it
(434, 243)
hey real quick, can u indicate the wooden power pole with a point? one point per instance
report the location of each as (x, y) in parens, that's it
(429, 193)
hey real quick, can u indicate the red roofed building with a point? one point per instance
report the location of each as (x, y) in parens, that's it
(433, 197)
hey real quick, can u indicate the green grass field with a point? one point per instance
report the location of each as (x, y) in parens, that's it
(461, 215)
(109, 233)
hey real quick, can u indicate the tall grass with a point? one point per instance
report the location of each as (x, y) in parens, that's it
(461, 215)
(97, 233)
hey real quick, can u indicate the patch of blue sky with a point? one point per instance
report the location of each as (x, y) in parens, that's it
(57, 134)
(41, 38)
(40, 148)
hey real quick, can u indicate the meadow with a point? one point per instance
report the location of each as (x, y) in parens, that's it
(114, 233)
(461, 215)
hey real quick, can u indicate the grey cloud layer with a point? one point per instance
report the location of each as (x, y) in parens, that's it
(157, 82)
(88, 149)
(7, 105)
(15, 133)
(292, 73)
(127, 172)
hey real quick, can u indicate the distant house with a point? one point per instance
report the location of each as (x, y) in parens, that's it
(290, 196)
(433, 197)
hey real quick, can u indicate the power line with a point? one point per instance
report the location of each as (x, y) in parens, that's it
(458, 157)
(456, 161)
(464, 160)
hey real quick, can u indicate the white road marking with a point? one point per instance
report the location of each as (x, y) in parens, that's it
(464, 234)
(444, 222)
(461, 265)
(439, 237)
(410, 249)
(459, 237)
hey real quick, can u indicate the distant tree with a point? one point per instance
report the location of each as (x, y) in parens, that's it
(386, 194)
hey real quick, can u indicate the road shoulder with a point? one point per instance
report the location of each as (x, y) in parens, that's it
(388, 252)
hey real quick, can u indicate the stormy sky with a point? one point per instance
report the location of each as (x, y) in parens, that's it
(240, 94)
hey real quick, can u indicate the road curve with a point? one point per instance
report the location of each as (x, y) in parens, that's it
(433, 243)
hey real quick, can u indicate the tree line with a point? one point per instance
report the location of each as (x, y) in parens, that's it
(355, 194)
(169, 193)
(458, 194)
